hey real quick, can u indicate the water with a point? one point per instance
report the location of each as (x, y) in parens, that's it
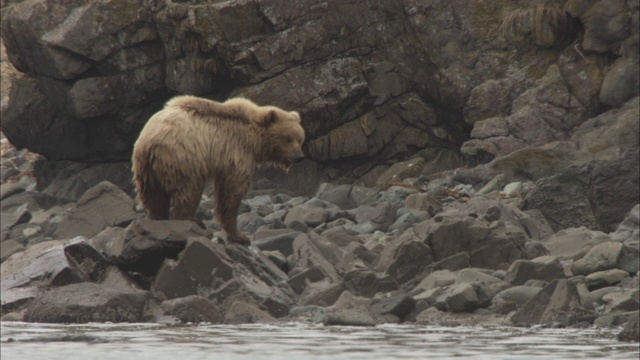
(303, 341)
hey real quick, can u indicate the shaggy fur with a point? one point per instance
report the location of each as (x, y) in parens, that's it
(195, 140)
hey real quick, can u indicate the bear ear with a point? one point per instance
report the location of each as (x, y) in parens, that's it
(268, 119)
(296, 116)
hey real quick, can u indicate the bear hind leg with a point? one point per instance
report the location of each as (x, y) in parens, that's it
(185, 202)
(156, 202)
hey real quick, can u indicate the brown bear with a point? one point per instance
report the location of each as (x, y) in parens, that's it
(193, 140)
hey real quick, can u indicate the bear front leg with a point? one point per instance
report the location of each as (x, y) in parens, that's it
(228, 198)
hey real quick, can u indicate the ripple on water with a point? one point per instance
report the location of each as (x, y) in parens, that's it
(303, 341)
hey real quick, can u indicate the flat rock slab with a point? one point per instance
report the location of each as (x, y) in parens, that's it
(88, 302)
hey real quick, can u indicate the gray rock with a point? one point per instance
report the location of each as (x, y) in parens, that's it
(605, 278)
(88, 302)
(557, 302)
(462, 298)
(399, 305)
(101, 206)
(242, 312)
(25, 275)
(605, 256)
(10, 189)
(631, 330)
(621, 82)
(545, 268)
(624, 300)
(321, 293)
(147, 243)
(629, 229)
(519, 295)
(470, 276)
(202, 264)
(282, 242)
(367, 283)
(489, 247)
(568, 242)
(194, 309)
(436, 279)
(306, 214)
(423, 202)
(9, 247)
(614, 318)
(339, 195)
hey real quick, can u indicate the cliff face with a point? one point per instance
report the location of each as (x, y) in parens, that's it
(375, 81)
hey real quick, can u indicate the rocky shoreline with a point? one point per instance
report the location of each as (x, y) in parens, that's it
(437, 252)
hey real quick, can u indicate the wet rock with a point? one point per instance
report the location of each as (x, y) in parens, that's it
(399, 305)
(147, 243)
(88, 302)
(321, 293)
(243, 312)
(557, 302)
(631, 331)
(545, 268)
(194, 309)
(101, 206)
(365, 282)
(201, 264)
(623, 300)
(605, 256)
(25, 274)
(462, 298)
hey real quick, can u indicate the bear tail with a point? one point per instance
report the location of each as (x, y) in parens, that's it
(151, 194)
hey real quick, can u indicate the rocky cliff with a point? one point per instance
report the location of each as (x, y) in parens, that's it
(375, 81)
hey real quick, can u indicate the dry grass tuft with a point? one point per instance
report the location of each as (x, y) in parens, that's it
(545, 22)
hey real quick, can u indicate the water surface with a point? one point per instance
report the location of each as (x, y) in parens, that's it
(303, 341)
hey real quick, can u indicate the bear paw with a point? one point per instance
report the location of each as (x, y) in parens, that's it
(239, 238)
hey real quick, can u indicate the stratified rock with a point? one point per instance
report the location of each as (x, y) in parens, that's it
(88, 302)
(306, 214)
(25, 274)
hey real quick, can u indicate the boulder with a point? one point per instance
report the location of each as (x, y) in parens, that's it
(545, 268)
(193, 309)
(557, 302)
(148, 242)
(631, 330)
(88, 302)
(605, 256)
(101, 206)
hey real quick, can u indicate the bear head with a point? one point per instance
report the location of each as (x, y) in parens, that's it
(283, 137)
